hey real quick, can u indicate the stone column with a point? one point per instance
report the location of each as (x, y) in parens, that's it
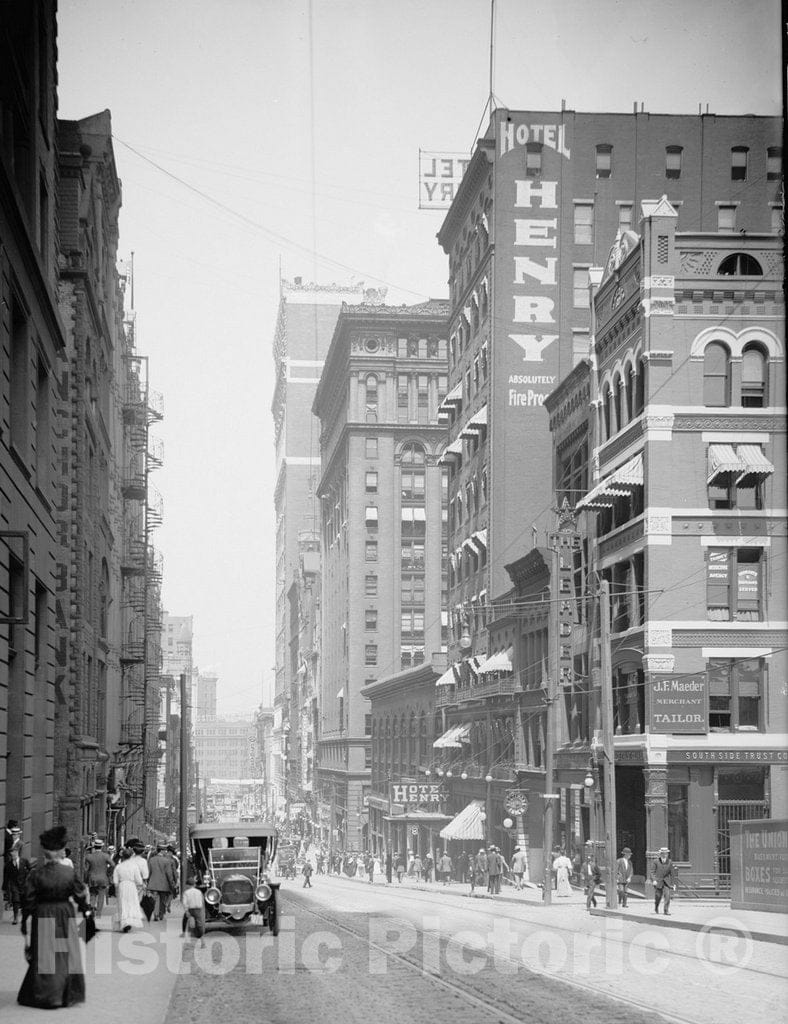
(656, 810)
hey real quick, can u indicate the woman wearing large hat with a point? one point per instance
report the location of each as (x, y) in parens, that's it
(55, 976)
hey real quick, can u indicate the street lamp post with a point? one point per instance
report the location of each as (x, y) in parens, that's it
(487, 809)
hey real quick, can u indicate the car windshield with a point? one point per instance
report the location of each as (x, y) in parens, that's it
(236, 859)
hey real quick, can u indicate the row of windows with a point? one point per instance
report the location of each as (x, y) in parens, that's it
(466, 563)
(418, 397)
(475, 498)
(673, 161)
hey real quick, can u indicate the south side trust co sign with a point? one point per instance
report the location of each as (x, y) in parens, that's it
(533, 241)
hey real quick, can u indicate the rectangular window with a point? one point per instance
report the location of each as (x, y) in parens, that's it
(533, 159)
(19, 373)
(580, 297)
(43, 427)
(402, 398)
(372, 482)
(584, 224)
(423, 398)
(678, 820)
(371, 447)
(736, 688)
(604, 161)
(726, 217)
(774, 163)
(581, 343)
(673, 161)
(43, 220)
(371, 618)
(778, 219)
(370, 654)
(371, 517)
(625, 216)
(371, 586)
(371, 551)
(734, 584)
(739, 163)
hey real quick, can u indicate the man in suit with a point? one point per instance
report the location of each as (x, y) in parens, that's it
(98, 867)
(623, 875)
(16, 872)
(162, 882)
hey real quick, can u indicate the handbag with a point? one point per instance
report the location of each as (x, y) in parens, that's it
(148, 903)
(87, 928)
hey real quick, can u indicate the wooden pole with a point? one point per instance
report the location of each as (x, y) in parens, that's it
(609, 767)
(184, 784)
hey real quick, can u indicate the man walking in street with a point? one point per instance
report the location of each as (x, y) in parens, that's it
(494, 870)
(623, 875)
(592, 876)
(161, 881)
(518, 867)
(444, 867)
(98, 868)
(306, 871)
(663, 879)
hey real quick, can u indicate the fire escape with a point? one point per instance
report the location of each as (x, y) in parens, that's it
(141, 571)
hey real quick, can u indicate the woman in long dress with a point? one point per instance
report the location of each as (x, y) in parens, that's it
(56, 975)
(128, 882)
(562, 866)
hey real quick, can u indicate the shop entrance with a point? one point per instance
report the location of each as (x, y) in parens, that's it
(740, 797)
(631, 815)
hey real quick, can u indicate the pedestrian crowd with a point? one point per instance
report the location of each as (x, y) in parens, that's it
(44, 895)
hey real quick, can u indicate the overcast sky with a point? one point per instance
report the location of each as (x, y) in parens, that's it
(217, 93)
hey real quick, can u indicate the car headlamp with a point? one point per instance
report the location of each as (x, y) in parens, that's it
(262, 893)
(213, 896)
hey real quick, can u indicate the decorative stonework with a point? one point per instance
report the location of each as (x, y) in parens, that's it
(727, 637)
(659, 662)
(729, 421)
(659, 636)
(658, 522)
(658, 307)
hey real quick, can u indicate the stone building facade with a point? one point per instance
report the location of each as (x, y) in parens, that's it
(383, 531)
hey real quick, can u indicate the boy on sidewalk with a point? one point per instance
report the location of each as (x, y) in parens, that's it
(194, 908)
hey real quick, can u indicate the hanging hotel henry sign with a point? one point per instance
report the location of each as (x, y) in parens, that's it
(431, 795)
(679, 703)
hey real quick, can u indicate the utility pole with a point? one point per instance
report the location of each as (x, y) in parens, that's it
(609, 766)
(549, 738)
(184, 780)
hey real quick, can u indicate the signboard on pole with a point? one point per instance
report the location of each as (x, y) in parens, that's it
(679, 703)
(440, 175)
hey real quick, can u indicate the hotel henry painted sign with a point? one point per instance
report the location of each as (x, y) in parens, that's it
(440, 175)
(679, 703)
(428, 795)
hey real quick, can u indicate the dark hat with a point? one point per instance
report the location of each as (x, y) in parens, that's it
(54, 838)
(626, 850)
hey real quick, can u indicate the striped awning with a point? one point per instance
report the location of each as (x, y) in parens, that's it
(451, 451)
(499, 662)
(449, 677)
(454, 737)
(619, 484)
(475, 424)
(722, 461)
(468, 824)
(479, 540)
(755, 465)
(450, 401)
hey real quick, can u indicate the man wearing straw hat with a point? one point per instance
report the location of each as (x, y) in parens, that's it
(623, 875)
(663, 879)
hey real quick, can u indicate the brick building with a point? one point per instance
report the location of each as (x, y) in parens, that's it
(383, 530)
(540, 203)
(31, 344)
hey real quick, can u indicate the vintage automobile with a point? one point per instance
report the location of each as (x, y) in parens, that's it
(287, 854)
(232, 862)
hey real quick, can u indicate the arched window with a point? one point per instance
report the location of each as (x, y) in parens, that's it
(606, 410)
(754, 374)
(740, 264)
(628, 397)
(716, 374)
(616, 394)
(372, 399)
(640, 388)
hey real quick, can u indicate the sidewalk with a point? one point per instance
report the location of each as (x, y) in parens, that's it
(692, 915)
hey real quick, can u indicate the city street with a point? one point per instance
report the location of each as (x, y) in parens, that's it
(415, 954)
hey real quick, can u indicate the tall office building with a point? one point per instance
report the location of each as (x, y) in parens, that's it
(305, 323)
(383, 531)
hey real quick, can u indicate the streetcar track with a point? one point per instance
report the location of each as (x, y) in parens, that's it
(424, 896)
(502, 1014)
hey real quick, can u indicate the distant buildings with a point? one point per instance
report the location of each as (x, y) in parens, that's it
(305, 324)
